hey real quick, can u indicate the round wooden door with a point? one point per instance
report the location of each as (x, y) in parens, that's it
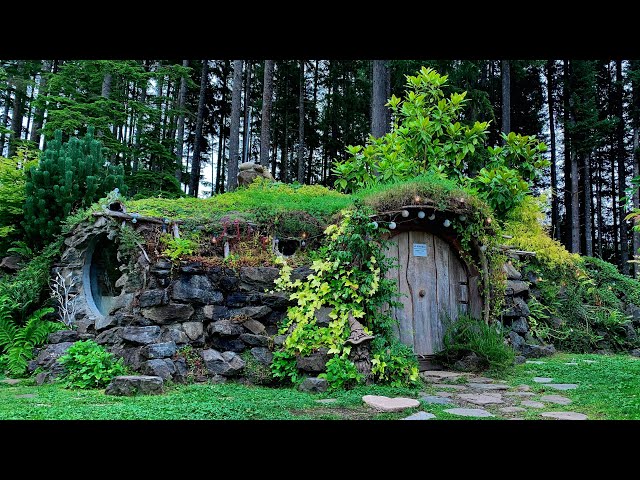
(434, 284)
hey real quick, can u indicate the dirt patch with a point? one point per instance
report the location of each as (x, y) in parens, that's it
(337, 413)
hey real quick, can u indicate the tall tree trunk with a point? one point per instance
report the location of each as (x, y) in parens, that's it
(635, 117)
(614, 210)
(234, 134)
(141, 122)
(194, 180)
(599, 208)
(624, 235)
(379, 97)
(29, 105)
(575, 204)
(313, 122)
(284, 168)
(566, 93)
(17, 114)
(222, 134)
(5, 118)
(182, 99)
(38, 119)
(555, 228)
(301, 125)
(587, 207)
(106, 85)
(267, 97)
(505, 73)
(636, 201)
(246, 124)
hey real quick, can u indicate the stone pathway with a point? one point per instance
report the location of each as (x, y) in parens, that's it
(10, 381)
(466, 393)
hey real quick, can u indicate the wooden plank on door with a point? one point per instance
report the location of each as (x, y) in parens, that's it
(391, 251)
(475, 301)
(405, 314)
(421, 275)
(443, 290)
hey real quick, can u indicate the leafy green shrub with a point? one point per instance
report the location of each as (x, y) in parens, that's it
(468, 334)
(257, 372)
(503, 188)
(12, 191)
(174, 248)
(283, 367)
(429, 137)
(18, 342)
(25, 290)
(395, 364)
(89, 365)
(69, 176)
(341, 373)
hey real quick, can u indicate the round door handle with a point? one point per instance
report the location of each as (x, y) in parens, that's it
(422, 293)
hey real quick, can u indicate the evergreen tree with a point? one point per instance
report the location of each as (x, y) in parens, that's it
(69, 176)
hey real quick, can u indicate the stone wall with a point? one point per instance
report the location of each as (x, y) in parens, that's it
(224, 316)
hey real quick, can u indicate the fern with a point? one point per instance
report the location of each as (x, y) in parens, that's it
(19, 343)
(8, 328)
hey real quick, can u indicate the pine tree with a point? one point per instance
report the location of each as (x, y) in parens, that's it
(69, 176)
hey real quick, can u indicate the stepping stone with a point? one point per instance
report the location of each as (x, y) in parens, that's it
(10, 381)
(480, 399)
(542, 379)
(515, 418)
(532, 404)
(475, 379)
(387, 404)
(27, 395)
(488, 386)
(436, 399)
(570, 363)
(442, 374)
(558, 399)
(446, 385)
(520, 394)
(565, 415)
(523, 388)
(589, 361)
(444, 394)
(327, 400)
(469, 412)
(561, 386)
(512, 409)
(420, 416)
(535, 362)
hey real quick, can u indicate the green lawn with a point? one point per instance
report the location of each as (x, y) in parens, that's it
(608, 389)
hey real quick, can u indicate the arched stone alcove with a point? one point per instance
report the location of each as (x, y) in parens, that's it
(100, 274)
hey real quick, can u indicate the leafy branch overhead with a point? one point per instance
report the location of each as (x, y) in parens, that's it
(429, 135)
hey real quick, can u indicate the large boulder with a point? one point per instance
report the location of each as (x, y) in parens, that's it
(159, 350)
(516, 307)
(197, 289)
(262, 355)
(11, 263)
(225, 328)
(51, 353)
(163, 368)
(164, 314)
(63, 336)
(315, 362)
(313, 385)
(258, 278)
(129, 385)
(226, 363)
(249, 171)
(152, 298)
(140, 335)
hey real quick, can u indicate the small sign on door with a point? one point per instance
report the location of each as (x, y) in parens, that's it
(419, 249)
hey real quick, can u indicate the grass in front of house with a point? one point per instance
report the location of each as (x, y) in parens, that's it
(607, 390)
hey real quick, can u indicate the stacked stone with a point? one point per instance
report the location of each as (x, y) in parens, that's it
(220, 312)
(515, 316)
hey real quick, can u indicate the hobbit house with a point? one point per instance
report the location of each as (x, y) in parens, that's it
(194, 319)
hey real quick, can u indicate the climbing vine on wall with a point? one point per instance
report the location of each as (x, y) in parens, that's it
(349, 277)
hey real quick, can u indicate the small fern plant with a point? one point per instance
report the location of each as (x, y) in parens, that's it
(18, 342)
